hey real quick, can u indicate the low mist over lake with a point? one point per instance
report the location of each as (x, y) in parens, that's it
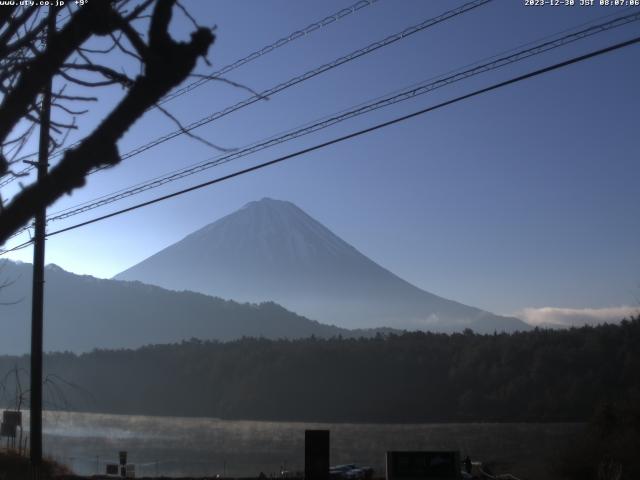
(202, 446)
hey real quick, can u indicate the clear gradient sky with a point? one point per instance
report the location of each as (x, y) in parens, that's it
(526, 197)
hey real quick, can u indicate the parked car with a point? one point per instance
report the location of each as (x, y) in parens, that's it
(350, 471)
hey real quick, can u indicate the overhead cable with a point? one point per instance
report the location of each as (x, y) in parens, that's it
(350, 136)
(362, 109)
(328, 20)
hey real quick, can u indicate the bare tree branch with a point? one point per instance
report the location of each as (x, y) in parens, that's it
(191, 134)
(94, 18)
(166, 64)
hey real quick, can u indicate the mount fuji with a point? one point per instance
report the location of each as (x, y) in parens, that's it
(271, 250)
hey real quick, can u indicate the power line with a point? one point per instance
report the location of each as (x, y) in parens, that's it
(496, 62)
(310, 74)
(271, 47)
(293, 81)
(17, 247)
(312, 27)
(306, 76)
(358, 133)
(620, 21)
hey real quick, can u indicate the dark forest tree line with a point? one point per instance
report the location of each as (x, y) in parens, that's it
(542, 375)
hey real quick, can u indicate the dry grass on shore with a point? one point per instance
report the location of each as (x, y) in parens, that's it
(14, 466)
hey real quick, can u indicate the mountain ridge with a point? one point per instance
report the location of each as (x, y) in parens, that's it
(83, 313)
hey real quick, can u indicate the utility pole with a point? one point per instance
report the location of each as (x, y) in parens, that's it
(37, 300)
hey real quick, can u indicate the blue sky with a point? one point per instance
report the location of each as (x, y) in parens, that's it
(526, 197)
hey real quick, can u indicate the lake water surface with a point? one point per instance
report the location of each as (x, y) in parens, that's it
(175, 446)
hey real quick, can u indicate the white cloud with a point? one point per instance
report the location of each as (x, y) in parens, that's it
(567, 317)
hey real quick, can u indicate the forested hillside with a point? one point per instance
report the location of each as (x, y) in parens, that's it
(541, 375)
(84, 312)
